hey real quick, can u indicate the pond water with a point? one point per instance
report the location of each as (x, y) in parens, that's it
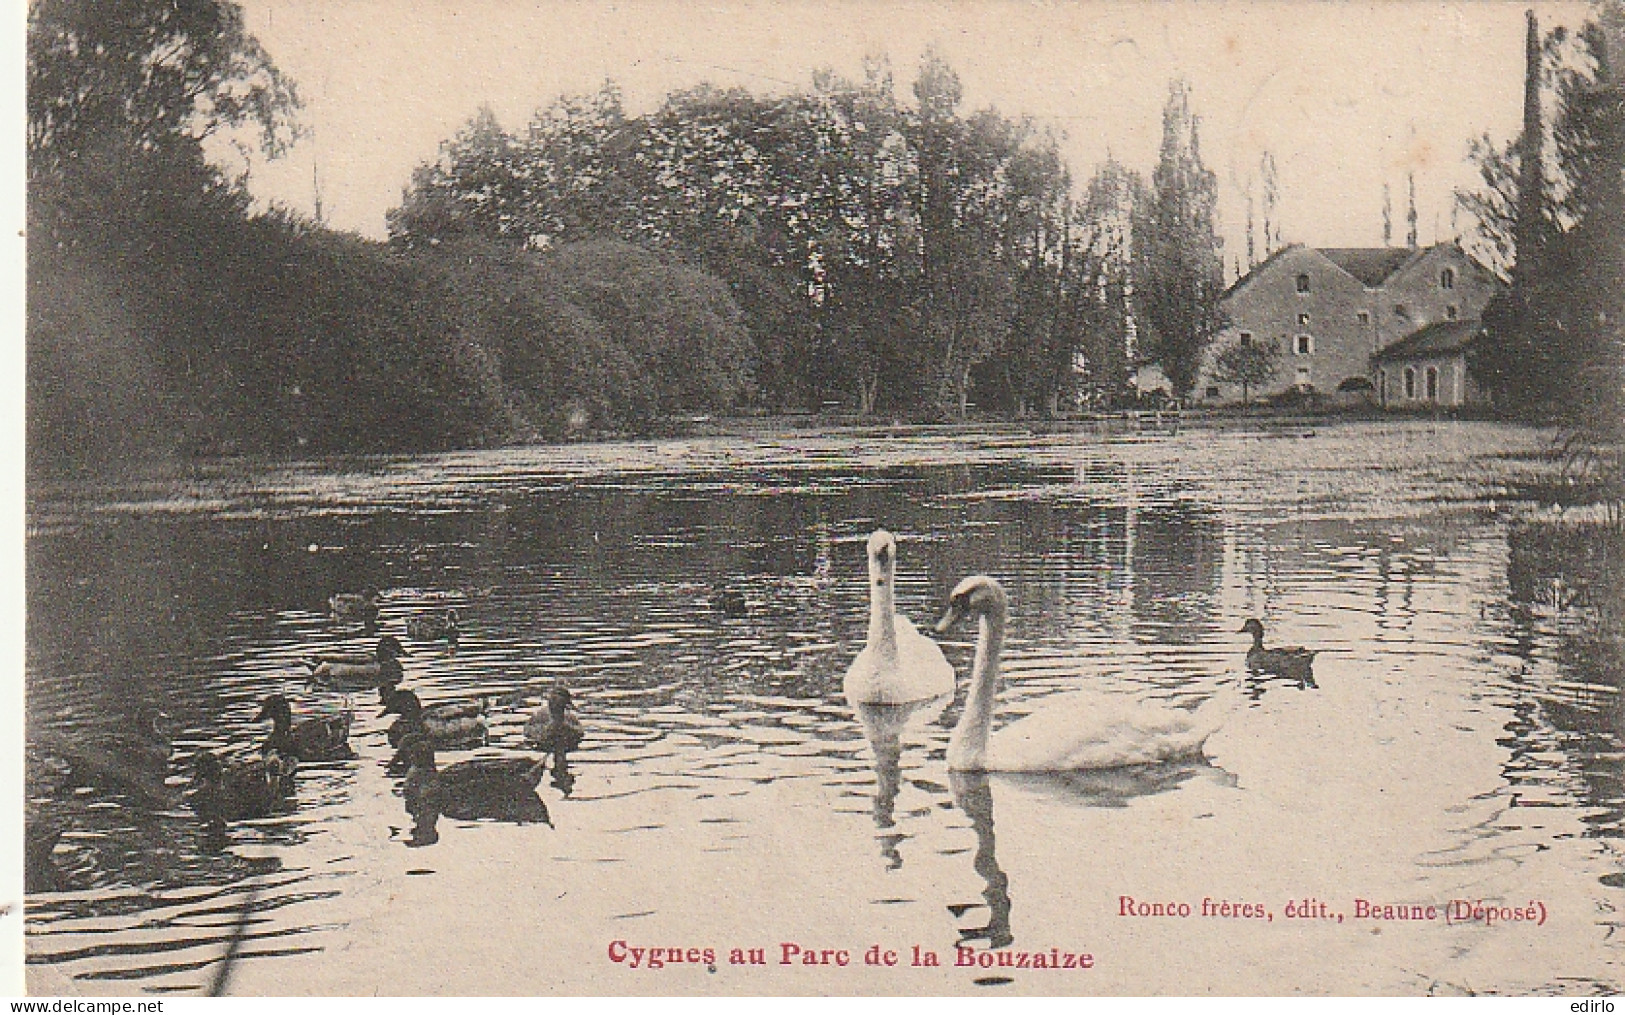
(726, 797)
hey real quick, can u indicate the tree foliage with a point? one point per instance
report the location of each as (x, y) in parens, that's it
(151, 75)
(1555, 345)
(1180, 267)
(905, 257)
(164, 317)
(1247, 363)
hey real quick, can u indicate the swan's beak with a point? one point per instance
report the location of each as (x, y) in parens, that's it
(949, 619)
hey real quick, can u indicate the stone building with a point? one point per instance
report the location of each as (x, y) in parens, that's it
(1334, 309)
(1429, 367)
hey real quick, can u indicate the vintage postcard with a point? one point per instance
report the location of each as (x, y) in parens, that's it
(529, 497)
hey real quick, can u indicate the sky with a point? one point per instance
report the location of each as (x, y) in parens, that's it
(1346, 96)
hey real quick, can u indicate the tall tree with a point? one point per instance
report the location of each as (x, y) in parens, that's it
(474, 189)
(135, 326)
(1272, 202)
(1180, 275)
(151, 74)
(1555, 351)
(1411, 238)
(1252, 258)
(1529, 227)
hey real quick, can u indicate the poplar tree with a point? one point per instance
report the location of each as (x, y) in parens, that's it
(1180, 275)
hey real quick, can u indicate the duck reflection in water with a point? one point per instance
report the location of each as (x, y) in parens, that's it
(884, 726)
(498, 789)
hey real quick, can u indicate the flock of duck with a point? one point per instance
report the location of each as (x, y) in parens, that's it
(898, 665)
(259, 781)
(256, 784)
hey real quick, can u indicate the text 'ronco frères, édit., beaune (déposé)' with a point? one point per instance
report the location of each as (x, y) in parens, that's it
(1483, 912)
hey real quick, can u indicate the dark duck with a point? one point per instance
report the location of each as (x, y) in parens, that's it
(499, 789)
(356, 608)
(221, 792)
(448, 726)
(131, 759)
(728, 602)
(434, 627)
(355, 672)
(1288, 661)
(320, 738)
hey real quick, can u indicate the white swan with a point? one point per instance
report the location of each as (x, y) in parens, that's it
(899, 664)
(1076, 730)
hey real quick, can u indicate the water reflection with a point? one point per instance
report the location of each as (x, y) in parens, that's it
(1117, 787)
(974, 796)
(884, 726)
(721, 738)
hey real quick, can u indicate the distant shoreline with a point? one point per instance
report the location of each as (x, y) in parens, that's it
(1122, 423)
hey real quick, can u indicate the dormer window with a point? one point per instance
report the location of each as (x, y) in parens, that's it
(1452, 312)
(1246, 338)
(1447, 278)
(1303, 283)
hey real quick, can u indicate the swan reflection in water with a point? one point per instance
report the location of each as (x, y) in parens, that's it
(974, 796)
(1100, 787)
(885, 725)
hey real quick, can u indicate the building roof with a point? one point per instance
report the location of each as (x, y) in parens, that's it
(1371, 265)
(1259, 268)
(1436, 339)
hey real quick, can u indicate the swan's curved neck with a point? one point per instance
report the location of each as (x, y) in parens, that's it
(967, 746)
(882, 609)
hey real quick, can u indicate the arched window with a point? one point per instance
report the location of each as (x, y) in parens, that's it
(1410, 382)
(1433, 384)
(1447, 278)
(1303, 283)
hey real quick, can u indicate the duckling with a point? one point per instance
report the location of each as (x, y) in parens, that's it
(1289, 661)
(356, 608)
(322, 738)
(449, 726)
(728, 602)
(252, 788)
(555, 728)
(503, 789)
(354, 672)
(433, 627)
